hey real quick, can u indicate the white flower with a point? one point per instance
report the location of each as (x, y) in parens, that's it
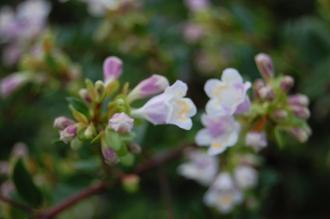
(223, 195)
(121, 122)
(170, 107)
(220, 132)
(256, 140)
(100, 7)
(226, 94)
(200, 167)
(246, 177)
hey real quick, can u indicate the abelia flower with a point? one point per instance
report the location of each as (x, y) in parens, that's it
(11, 83)
(223, 194)
(286, 83)
(68, 134)
(226, 94)
(200, 167)
(197, 5)
(220, 132)
(148, 87)
(112, 69)
(301, 134)
(256, 140)
(299, 100)
(245, 176)
(121, 122)
(170, 107)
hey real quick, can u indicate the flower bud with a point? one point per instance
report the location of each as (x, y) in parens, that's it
(62, 122)
(257, 85)
(11, 83)
(193, 32)
(90, 131)
(197, 5)
(121, 122)
(4, 168)
(131, 182)
(69, 133)
(134, 148)
(83, 93)
(99, 87)
(300, 111)
(110, 156)
(299, 100)
(279, 114)
(265, 65)
(148, 87)
(20, 149)
(112, 69)
(301, 134)
(266, 93)
(287, 83)
(256, 140)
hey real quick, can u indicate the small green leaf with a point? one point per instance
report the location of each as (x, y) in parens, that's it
(25, 186)
(78, 105)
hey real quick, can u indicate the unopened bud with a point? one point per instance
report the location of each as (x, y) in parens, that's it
(68, 134)
(301, 134)
(90, 131)
(110, 156)
(256, 140)
(257, 85)
(287, 83)
(99, 86)
(266, 93)
(83, 93)
(148, 87)
(265, 65)
(62, 122)
(131, 182)
(20, 150)
(300, 111)
(299, 100)
(112, 69)
(134, 148)
(279, 114)
(121, 123)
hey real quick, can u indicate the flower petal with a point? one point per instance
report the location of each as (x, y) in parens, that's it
(231, 75)
(178, 89)
(203, 138)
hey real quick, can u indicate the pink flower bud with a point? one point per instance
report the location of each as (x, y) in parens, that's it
(109, 155)
(20, 149)
(257, 140)
(11, 83)
(62, 122)
(301, 134)
(193, 32)
(299, 100)
(266, 93)
(149, 87)
(68, 134)
(279, 114)
(112, 68)
(83, 93)
(265, 65)
(122, 123)
(287, 83)
(300, 111)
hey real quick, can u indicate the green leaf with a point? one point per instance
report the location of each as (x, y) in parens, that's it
(25, 186)
(279, 137)
(78, 105)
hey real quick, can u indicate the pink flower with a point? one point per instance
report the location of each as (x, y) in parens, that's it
(265, 65)
(62, 122)
(68, 134)
(256, 140)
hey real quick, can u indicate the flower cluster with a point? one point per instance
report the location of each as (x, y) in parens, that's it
(45, 64)
(105, 113)
(19, 28)
(232, 119)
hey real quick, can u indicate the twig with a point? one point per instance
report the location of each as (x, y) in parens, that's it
(15, 204)
(156, 161)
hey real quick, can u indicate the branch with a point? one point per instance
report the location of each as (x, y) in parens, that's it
(156, 161)
(15, 204)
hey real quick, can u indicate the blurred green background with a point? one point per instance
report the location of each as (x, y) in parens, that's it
(294, 183)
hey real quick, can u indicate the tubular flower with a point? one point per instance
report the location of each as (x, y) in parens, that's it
(170, 107)
(256, 140)
(223, 194)
(220, 132)
(200, 167)
(112, 69)
(121, 122)
(227, 94)
(246, 177)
